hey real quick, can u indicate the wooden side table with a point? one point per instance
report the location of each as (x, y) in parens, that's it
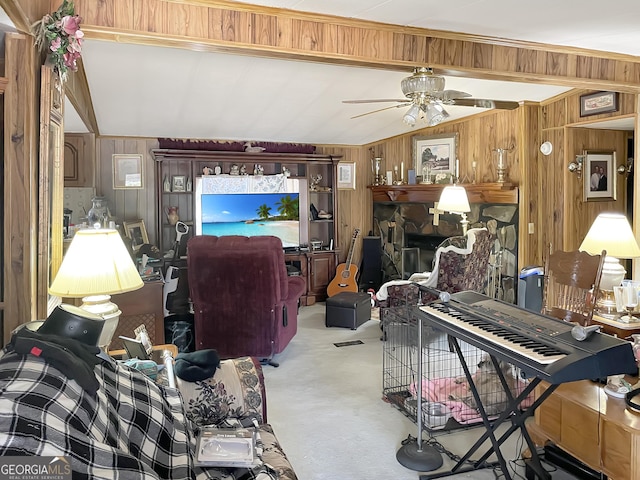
(595, 428)
(614, 327)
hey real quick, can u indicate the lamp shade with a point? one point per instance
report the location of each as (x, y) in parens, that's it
(454, 199)
(96, 263)
(611, 232)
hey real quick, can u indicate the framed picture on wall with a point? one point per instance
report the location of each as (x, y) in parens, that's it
(347, 175)
(127, 171)
(599, 102)
(137, 232)
(435, 154)
(599, 176)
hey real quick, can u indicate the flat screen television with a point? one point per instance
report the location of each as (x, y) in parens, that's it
(249, 214)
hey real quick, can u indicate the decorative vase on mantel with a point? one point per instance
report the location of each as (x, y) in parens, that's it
(172, 215)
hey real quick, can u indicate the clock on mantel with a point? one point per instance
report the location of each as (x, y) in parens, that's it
(428, 193)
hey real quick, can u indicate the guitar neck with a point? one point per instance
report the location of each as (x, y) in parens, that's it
(351, 247)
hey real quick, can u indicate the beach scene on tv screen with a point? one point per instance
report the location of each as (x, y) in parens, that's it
(252, 214)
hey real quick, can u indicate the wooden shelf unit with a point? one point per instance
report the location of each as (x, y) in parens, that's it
(319, 266)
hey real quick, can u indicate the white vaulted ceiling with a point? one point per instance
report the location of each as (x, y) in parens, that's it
(150, 91)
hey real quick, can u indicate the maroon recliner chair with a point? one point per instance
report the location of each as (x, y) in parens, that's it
(244, 303)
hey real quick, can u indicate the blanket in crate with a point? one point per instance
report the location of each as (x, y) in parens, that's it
(130, 428)
(450, 391)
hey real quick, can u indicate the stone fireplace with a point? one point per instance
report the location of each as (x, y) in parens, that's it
(411, 230)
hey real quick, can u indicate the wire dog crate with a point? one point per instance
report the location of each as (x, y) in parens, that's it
(447, 401)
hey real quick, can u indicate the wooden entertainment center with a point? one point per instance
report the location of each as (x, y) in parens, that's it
(593, 427)
(317, 181)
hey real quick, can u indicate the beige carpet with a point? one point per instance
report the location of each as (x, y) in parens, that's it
(325, 404)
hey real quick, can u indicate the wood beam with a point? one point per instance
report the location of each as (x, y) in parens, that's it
(77, 91)
(20, 196)
(23, 13)
(19, 12)
(225, 26)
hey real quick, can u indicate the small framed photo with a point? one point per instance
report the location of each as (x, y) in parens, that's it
(179, 183)
(137, 232)
(347, 175)
(435, 154)
(599, 176)
(127, 171)
(599, 102)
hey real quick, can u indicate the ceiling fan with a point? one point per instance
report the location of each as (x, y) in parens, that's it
(426, 98)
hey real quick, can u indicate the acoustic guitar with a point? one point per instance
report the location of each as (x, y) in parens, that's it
(345, 279)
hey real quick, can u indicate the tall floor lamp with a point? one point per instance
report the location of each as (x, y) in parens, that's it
(97, 265)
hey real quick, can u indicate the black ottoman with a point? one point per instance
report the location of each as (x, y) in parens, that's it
(348, 309)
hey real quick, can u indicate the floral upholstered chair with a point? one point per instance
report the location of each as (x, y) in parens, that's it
(461, 263)
(460, 269)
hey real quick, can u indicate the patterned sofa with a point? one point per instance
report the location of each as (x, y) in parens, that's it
(131, 427)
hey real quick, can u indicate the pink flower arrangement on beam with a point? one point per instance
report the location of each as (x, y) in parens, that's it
(59, 33)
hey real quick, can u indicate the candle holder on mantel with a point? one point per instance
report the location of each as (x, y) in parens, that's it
(376, 168)
(398, 179)
(502, 166)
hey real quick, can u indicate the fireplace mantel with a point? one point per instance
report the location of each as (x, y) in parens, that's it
(428, 193)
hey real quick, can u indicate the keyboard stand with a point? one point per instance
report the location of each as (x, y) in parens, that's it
(512, 413)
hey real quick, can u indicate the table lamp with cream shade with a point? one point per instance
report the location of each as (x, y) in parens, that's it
(97, 265)
(454, 199)
(610, 232)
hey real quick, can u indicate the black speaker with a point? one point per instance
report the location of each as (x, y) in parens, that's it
(371, 267)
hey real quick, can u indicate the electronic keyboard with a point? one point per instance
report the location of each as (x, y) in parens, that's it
(541, 346)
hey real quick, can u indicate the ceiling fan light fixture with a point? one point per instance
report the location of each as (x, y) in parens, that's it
(435, 113)
(411, 116)
(423, 80)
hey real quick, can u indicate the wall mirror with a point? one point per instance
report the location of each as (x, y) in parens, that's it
(50, 185)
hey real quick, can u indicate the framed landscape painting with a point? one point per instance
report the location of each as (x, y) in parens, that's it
(435, 154)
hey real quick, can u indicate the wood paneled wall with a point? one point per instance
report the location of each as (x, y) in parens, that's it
(578, 214)
(548, 194)
(355, 208)
(478, 137)
(551, 198)
(20, 205)
(230, 26)
(564, 216)
(129, 204)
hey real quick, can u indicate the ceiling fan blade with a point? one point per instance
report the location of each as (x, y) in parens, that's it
(448, 95)
(381, 110)
(404, 100)
(484, 103)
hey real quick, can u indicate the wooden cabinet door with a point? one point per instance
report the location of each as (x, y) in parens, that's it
(79, 158)
(322, 268)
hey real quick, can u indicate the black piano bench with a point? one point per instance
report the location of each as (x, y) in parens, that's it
(348, 309)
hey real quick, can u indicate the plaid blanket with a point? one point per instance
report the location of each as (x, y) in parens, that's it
(133, 428)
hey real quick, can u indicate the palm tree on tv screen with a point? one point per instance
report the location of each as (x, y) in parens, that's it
(263, 211)
(288, 207)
